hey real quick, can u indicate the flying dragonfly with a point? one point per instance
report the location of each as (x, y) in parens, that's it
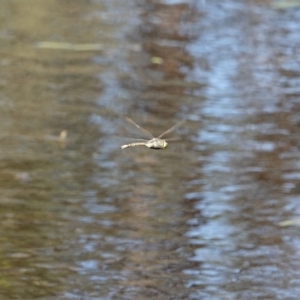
(153, 142)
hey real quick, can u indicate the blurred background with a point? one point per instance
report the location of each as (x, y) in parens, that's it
(215, 215)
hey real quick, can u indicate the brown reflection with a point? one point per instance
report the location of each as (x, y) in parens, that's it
(162, 70)
(44, 94)
(154, 190)
(162, 37)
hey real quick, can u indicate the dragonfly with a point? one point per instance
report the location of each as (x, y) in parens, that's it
(156, 143)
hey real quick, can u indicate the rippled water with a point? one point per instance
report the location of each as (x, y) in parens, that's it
(215, 215)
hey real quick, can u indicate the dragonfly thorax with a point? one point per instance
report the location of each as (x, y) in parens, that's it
(157, 144)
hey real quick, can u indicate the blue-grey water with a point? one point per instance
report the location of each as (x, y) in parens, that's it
(213, 216)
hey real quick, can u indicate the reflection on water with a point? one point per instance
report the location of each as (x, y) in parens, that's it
(203, 219)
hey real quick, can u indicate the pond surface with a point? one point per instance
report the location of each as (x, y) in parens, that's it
(213, 216)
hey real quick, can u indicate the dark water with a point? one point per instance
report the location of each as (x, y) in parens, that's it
(203, 219)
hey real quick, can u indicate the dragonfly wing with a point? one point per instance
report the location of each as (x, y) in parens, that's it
(171, 129)
(136, 139)
(173, 139)
(139, 127)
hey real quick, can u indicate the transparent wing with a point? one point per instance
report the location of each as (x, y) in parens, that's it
(136, 139)
(171, 129)
(131, 138)
(139, 127)
(173, 139)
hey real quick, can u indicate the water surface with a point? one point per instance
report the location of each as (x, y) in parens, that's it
(203, 219)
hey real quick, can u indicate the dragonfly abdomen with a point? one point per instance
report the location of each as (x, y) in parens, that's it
(133, 145)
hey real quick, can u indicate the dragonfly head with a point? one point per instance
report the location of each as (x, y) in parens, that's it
(165, 144)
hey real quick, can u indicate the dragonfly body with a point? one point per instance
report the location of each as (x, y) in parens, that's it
(153, 142)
